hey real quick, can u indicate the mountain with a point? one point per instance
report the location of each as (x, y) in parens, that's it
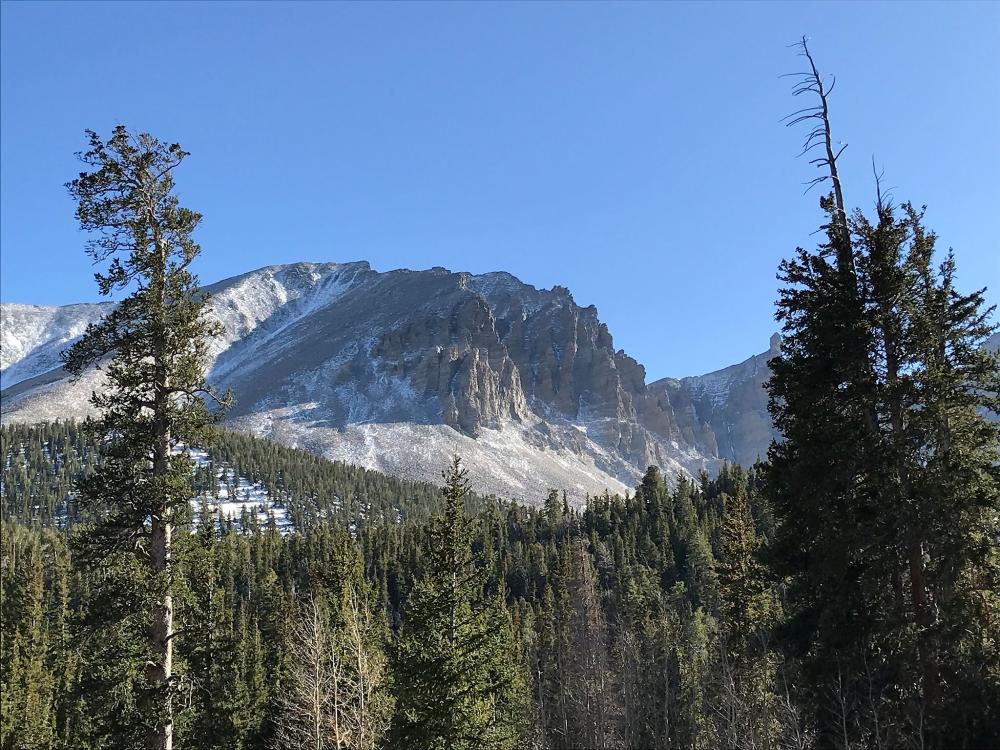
(724, 413)
(395, 371)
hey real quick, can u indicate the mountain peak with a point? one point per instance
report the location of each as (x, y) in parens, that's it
(397, 370)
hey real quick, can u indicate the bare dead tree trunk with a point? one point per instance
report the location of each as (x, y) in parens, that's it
(365, 707)
(842, 707)
(811, 82)
(795, 733)
(305, 704)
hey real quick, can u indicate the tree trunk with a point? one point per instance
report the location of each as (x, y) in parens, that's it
(160, 634)
(161, 628)
(160, 672)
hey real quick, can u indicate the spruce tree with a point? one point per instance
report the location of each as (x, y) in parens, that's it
(458, 685)
(745, 603)
(886, 483)
(152, 351)
(591, 691)
(743, 702)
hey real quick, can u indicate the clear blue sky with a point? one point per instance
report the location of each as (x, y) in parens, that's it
(631, 152)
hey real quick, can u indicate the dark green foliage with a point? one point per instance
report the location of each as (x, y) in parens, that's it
(41, 464)
(843, 595)
(886, 487)
(458, 685)
(152, 351)
(746, 606)
(610, 646)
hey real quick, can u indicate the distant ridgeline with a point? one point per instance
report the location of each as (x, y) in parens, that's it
(274, 483)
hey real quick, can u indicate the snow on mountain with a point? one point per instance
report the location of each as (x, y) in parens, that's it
(396, 371)
(725, 412)
(235, 495)
(32, 336)
(266, 302)
(509, 462)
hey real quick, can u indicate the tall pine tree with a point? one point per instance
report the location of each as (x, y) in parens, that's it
(152, 350)
(886, 483)
(458, 684)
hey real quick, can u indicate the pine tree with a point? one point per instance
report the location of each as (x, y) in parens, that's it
(687, 633)
(886, 484)
(457, 683)
(743, 699)
(939, 481)
(746, 604)
(152, 351)
(28, 681)
(592, 695)
(553, 509)
(693, 552)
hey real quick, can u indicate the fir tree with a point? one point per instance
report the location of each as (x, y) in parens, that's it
(152, 351)
(742, 577)
(743, 701)
(885, 486)
(457, 683)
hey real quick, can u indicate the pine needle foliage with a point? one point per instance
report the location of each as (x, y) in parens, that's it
(457, 683)
(886, 484)
(151, 350)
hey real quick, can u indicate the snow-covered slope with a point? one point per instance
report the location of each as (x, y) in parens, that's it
(398, 370)
(32, 336)
(235, 495)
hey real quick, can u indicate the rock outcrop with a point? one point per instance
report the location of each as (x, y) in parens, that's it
(395, 370)
(724, 413)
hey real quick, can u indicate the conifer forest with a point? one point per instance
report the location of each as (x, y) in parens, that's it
(842, 592)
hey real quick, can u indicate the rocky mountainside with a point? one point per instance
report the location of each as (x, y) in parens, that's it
(397, 370)
(724, 413)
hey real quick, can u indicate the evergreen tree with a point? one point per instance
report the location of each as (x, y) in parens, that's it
(886, 484)
(743, 701)
(151, 402)
(592, 710)
(746, 604)
(457, 683)
(693, 553)
(28, 682)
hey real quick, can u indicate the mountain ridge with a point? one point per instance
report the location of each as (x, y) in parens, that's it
(395, 370)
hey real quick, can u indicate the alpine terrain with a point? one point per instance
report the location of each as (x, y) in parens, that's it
(396, 371)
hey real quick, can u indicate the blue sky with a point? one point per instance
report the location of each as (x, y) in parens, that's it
(631, 152)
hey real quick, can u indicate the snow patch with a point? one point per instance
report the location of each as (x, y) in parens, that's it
(236, 496)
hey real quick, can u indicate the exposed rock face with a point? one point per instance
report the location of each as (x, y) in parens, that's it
(724, 413)
(395, 370)
(458, 361)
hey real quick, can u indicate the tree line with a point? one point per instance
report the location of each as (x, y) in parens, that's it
(651, 620)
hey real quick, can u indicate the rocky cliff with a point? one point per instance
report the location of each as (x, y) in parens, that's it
(724, 413)
(396, 370)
